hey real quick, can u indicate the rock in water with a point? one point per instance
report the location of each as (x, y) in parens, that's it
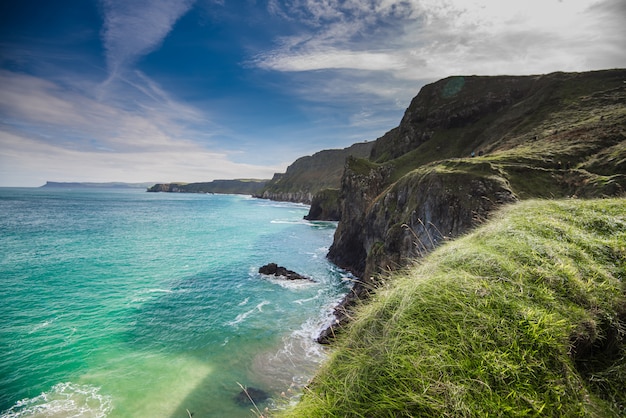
(273, 269)
(256, 395)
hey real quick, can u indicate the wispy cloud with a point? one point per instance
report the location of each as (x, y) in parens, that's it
(331, 58)
(429, 39)
(53, 133)
(133, 28)
(378, 53)
(28, 162)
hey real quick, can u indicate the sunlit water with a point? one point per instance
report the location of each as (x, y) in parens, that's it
(124, 303)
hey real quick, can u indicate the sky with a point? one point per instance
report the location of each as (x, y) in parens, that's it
(197, 90)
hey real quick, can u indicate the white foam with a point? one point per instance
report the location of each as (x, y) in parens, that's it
(42, 325)
(288, 222)
(64, 400)
(290, 284)
(304, 340)
(289, 368)
(277, 204)
(312, 298)
(157, 290)
(243, 316)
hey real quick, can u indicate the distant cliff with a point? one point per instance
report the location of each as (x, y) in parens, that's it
(466, 146)
(110, 185)
(311, 174)
(239, 186)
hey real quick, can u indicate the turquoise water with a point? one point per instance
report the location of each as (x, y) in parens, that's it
(122, 303)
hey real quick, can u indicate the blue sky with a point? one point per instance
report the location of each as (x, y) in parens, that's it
(196, 90)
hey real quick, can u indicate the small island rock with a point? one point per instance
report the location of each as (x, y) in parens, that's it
(273, 269)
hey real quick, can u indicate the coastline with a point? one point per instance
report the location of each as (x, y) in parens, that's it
(151, 290)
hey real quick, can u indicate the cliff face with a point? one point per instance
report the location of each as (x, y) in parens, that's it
(360, 185)
(453, 103)
(309, 175)
(467, 145)
(427, 207)
(325, 206)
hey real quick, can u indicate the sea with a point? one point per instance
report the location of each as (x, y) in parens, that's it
(123, 303)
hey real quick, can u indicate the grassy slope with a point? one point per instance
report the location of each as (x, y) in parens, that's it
(572, 128)
(525, 316)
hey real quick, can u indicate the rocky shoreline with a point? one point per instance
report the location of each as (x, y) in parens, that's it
(465, 147)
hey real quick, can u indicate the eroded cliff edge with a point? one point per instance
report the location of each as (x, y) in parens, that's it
(312, 174)
(467, 145)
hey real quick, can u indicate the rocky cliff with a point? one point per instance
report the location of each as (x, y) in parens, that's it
(309, 175)
(467, 145)
(325, 206)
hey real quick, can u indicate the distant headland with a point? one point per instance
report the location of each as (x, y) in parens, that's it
(236, 186)
(109, 185)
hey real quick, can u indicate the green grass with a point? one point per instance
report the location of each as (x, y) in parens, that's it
(526, 316)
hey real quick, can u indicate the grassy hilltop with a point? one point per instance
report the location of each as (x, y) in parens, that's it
(467, 145)
(526, 316)
(475, 296)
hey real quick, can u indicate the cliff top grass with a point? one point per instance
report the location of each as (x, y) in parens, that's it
(564, 119)
(526, 316)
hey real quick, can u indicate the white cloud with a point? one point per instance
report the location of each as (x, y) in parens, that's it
(51, 133)
(370, 58)
(334, 59)
(25, 161)
(133, 28)
(429, 39)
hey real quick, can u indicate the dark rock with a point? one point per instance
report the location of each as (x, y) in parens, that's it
(343, 312)
(273, 269)
(249, 395)
(325, 206)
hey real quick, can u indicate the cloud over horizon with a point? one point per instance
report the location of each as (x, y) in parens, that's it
(70, 134)
(194, 90)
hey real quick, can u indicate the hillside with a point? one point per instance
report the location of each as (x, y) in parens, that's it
(309, 175)
(526, 316)
(239, 186)
(468, 145)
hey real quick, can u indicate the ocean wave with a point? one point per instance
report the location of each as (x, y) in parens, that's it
(304, 339)
(41, 325)
(290, 284)
(288, 222)
(158, 290)
(63, 400)
(291, 367)
(279, 204)
(312, 298)
(145, 295)
(243, 316)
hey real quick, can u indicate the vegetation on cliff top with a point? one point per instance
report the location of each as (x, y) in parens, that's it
(557, 122)
(526, 316)
(467, 145)
(311, 174)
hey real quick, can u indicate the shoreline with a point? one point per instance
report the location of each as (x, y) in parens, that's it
(177, 272)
